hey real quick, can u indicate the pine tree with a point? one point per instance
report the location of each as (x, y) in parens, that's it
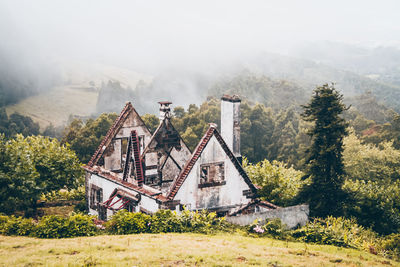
(324, 164)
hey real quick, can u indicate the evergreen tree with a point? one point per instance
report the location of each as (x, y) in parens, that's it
(324, 164)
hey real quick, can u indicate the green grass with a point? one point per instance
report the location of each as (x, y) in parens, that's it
(177, 250)
(56, 105)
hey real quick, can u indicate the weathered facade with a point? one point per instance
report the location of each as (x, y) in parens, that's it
(145, 172)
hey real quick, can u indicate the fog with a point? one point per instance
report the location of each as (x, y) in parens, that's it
(155, 37)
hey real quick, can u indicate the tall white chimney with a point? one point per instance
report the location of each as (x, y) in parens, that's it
(165, 110)
(230, 123)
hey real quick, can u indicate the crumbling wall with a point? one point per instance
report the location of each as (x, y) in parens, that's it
(291, 216)
(225, 194)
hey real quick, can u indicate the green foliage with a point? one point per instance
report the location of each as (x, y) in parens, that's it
(63, 194)
(272, 228)
(279, 184)
(375, 204)
(85, 137)
(16, 226)
(392, 245)
(264, 134)
(339, 231)
(80, 225)
(325, 167)
(151, 121)
(32, 166)
(369, 162)
(17, 124)
(260, 88)
(124, 222)
(52, 226)
(165, 221)
(55, 226)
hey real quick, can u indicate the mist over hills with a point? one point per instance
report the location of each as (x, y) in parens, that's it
(275, 80)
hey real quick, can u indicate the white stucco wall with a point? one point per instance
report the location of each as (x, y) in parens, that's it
(109, 186)
(230, 194)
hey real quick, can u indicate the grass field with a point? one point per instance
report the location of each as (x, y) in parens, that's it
(56, 105)
(177, 250)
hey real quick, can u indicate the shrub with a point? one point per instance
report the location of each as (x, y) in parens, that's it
(52, 226)
(336, 231)
(201, 221)
(16, 226)
(124, 222)
(80, 225)
(165, 221)
(272, 228)
(81, 207)
(392, 245)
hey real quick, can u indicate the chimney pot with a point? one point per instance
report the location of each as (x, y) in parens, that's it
(165, 110)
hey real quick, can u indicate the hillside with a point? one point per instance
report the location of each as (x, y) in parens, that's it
(178, 250)
(76, 93)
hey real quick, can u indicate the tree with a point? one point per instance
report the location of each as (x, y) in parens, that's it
(84, 138)
(277, 183)
(324, 165)
(30, 166)
(151, 121)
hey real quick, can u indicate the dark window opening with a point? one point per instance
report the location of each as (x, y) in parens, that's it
(96, 197)
(212, 174)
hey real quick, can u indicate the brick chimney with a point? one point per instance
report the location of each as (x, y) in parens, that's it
(165, 110)
(230, 123)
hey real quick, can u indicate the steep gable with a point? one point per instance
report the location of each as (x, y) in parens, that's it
(164, 156)
(128, 120)
(211, 134)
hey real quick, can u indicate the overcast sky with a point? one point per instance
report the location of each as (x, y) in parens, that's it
(158, 33)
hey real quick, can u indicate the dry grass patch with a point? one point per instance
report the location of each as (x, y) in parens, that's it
(177, 250)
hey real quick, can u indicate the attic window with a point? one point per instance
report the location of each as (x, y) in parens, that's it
(212, 174)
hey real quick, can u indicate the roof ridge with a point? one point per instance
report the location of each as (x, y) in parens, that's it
(190, 163)
(212, 130)
(125, 111)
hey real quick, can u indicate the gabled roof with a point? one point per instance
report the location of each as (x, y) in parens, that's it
(156, 133)
(126, 111)
(212, 131)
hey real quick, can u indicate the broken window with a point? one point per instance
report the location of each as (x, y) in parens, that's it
(96, 197)
(212, 173)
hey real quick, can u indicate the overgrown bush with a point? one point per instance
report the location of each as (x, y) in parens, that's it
(52, 226)
(336, 231)
(202, 222)
(16, 226)
(272, 228)
(57, 195)
(391, 245)
(165, 221)
(55, 226)
(124, 222)
(80, 225)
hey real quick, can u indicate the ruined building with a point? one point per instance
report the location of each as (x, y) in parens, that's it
(142, 172)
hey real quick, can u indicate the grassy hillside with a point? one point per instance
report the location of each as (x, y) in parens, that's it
(56, 105)
(76, 95)
(177, 250)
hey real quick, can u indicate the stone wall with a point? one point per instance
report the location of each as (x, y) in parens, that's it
(291, 216)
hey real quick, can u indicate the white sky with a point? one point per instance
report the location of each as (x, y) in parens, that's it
(153, 34)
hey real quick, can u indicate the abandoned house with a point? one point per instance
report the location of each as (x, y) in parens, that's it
(142, 172)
